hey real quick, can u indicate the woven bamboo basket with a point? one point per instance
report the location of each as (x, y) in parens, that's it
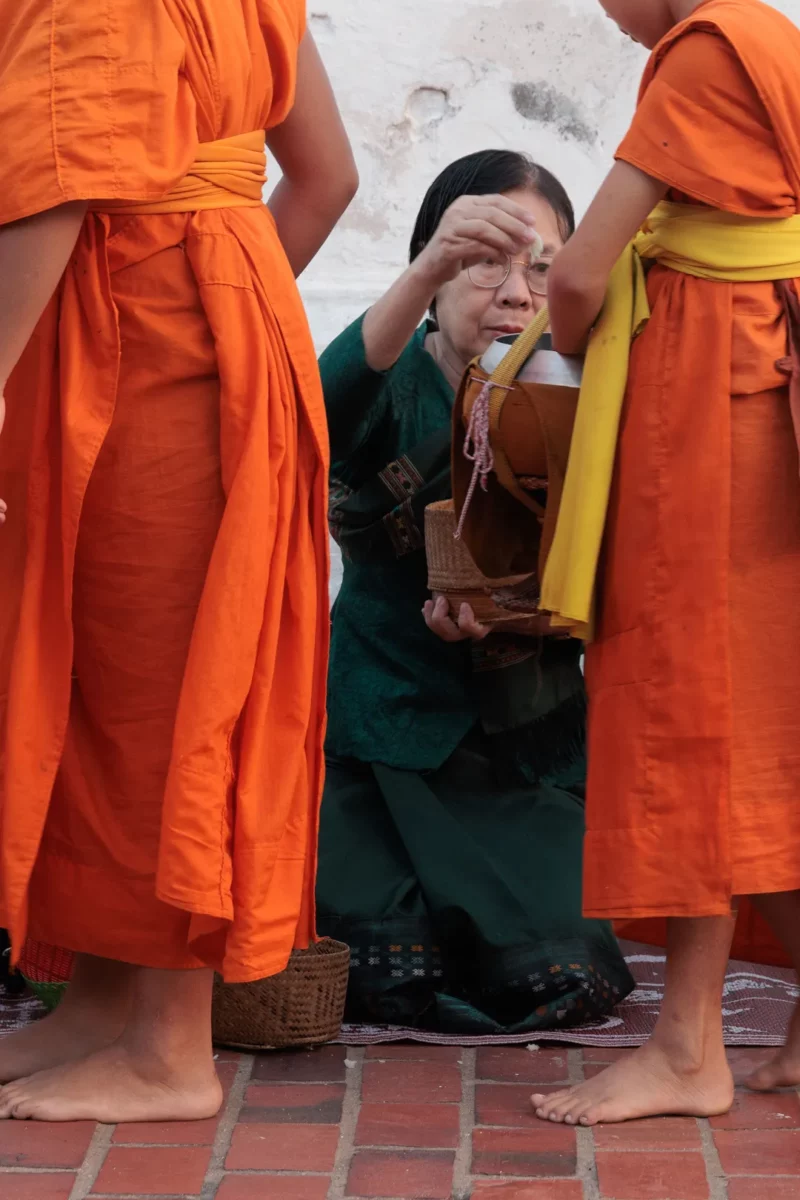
(303, 1006)
(452, 572)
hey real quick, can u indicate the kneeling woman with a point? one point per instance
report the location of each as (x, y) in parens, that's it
(452, 822)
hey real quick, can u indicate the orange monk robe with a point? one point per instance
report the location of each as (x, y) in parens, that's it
(694, 753)
(163, 615)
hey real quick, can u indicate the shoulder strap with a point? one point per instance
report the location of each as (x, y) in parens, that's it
(501, 380)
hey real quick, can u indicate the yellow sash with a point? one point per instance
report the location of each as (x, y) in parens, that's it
(706, 243)
(230, 173)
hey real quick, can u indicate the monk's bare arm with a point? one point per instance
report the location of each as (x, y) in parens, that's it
(319, 172)
(579, 276)
(33, 255)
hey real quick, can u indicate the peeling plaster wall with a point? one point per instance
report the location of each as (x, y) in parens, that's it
(421, 82)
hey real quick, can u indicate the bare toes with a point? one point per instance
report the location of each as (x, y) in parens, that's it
(545, 1111)
(544, 1114)
(571, 1113)
(773, 1076)
(762, 1081)
(546, 1102)
(556, 1107)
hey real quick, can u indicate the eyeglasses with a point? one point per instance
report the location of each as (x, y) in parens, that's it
(493, 273)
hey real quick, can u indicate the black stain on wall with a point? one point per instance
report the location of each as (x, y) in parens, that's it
(544, 103)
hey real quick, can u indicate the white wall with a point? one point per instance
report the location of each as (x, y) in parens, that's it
(421, 82)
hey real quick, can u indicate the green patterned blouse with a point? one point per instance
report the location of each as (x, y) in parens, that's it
(397, 694)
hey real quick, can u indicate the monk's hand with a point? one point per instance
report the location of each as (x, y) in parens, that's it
(440, 621)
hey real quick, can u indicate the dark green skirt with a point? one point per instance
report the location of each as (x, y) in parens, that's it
(461, 899)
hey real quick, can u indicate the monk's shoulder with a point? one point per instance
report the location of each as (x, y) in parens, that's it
(699, 60)
(288, 15)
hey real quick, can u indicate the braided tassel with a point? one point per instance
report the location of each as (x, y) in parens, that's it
(477, 450)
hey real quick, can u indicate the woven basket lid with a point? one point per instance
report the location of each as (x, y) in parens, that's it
(450, 564)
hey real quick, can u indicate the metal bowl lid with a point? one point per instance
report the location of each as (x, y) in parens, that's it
(543, 366)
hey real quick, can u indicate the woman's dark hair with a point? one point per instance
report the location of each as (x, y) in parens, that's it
(485, 173)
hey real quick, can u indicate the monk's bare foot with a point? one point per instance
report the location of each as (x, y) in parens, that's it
(114, 1086)
(72, 1032)
(783, 1071)
(645, 1084)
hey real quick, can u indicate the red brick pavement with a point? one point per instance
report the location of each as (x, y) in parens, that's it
(410, 1123)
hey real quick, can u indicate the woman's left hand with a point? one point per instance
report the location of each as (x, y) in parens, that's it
(440, 621)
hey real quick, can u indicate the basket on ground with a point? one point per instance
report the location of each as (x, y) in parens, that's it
(303, 1006)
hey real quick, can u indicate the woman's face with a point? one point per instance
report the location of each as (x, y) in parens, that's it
(646, 21)
(471, 318)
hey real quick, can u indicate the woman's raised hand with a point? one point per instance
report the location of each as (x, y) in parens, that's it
(473, 228)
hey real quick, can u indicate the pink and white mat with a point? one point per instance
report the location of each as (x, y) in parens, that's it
(757, 1005)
